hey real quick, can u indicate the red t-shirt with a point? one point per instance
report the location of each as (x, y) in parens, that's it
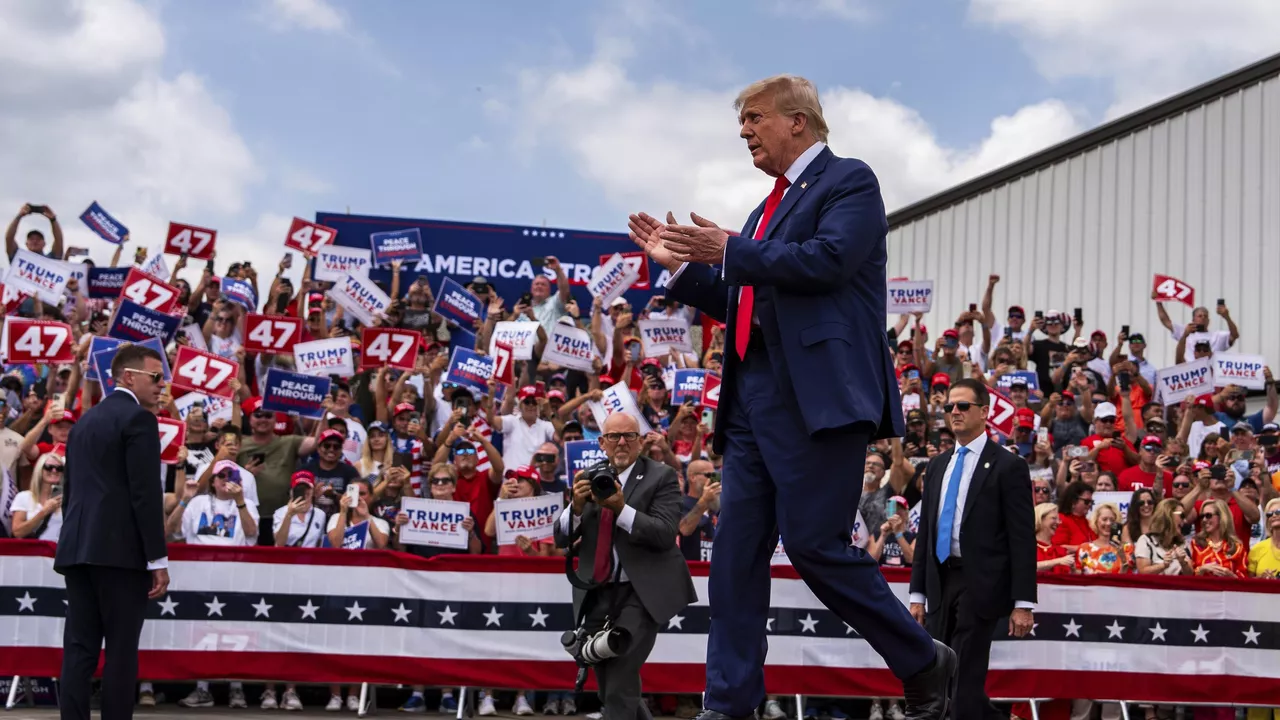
(1073, 530)
(1112, 459)
(1052, 552)
(1133, 477)
(478, 491)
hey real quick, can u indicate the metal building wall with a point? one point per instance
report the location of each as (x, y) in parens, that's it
(1195, 195)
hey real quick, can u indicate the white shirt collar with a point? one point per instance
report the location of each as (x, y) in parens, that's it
(801, 163)
(128, 392)
(977, 445)
(624, 475)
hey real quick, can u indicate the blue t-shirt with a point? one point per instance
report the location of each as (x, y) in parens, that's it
(1254, 420)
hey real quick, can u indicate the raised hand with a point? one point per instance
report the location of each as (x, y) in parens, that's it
(645, 232)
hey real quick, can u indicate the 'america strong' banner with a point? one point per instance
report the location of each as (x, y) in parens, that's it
(326, 616)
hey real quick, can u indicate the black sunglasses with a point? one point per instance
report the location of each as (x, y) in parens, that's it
(1182, 485)
(330, 446)
(544, 458)
(441, 480)
(963, 405)
(265, 415)
(1273, 513)
(156, 377)
(56, 469)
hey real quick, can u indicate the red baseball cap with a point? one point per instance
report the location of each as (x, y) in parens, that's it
(525, 472)
(302, 477)
(528, 391)
(606, 380)
(1026, 418)
(402, 408)
(1068, 395)
(941, 379)
(251, 404)
(555, 395)
(1098, 334)
(67, 416)
(333, 435)
(1151, 440)
(1205, 401)
(907, 344)
(951, 333)
(906, 368)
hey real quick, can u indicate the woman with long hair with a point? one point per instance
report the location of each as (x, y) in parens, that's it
(37, 513)
(1264, 558)
(1102, 556)
(1161, 549)
(1050, 558)
(1216, 549)
(1073, 517)
(376, 453)
(1142, 506)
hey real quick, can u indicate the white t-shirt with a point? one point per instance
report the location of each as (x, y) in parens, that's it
(247, 482)
(306, 530)
(1219, 340)
(226, 347)
(1196, 436)
(368, 538)
(26, 502)
(356, 437)
(521, 440)
(210, 521)
(1147, 548)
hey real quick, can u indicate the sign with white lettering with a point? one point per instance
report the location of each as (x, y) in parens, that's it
(570, 347)
(612, 278)
(106, 283)
(194, 242)
(308, 237)
(290, 392)
(437, 523)
(908, 296)
(392, 347)
(520, 335)
(469, 369)
(173, 434)
(331, 356)
(334, 262)
(271, 334)
(240, 292)
(1243, 370)
(1177, 382)
(38, 275)
(637, 261)
(660, 337)
(150, 291)
(403, 245)
(689, 384)
(711, 391)
(360, 298)
(1001, 414)
(533, 517)
(504, 363)
(97, 344)
(459, 305)
(135, 323)
(32, 342)
(101, 222)
(1166, 287)
(582, 454)
(203, 372)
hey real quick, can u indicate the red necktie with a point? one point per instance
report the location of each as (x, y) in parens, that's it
(747, 294)
(602, 570)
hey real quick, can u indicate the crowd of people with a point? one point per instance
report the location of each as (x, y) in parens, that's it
(1201, 476)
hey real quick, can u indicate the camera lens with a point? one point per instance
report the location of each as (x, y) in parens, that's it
(604, 482)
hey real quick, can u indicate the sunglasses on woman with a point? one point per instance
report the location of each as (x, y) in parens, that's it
(55, 469)
(441, 481)
(1273, 513)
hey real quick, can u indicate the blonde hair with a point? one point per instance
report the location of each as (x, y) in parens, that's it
(1225, 521)
(1042, 512)
(367, 460)
(37, 473)
(1115, 510)
(1273, 503)
(443, 468)
(791, 95)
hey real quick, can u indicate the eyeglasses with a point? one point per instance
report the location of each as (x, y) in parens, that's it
(1273, 513)
(1233, 397)
(156, 377)
(1182, 485)
(264, 416)
(465, 451)
(335, 447)
(544, 458)
(222, 476)
(616, 437)
(963, 406)
(1207, 515)
(1151, 448)
(529, 401)
(1107, 420)
(1088, 503)
(221, 319)
(55, 469)
(1146, 503)
(441, 480)
(1040, 490)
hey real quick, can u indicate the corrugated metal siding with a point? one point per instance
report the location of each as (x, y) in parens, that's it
(1196, 196)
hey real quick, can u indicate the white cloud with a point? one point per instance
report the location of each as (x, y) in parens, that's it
(668, 146)
(1148, 49)
(316, 15)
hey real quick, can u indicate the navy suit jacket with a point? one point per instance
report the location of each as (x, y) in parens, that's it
(113, 496)
(820, 297)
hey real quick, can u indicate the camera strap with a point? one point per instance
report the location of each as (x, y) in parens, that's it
(574, 579)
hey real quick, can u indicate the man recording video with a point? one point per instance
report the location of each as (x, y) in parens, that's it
(631, 578)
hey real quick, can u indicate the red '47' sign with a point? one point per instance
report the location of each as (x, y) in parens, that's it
(31, 342)
(189, 240)
(308, 236)
(150, 291)
(1001, 414)
(173, 435)
(392, 347)
(711, 391)
(271, 334)
(1171, 288)
(202, 372)
(636, 261)
(504, 363)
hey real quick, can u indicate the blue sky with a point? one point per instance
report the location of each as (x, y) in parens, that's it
(238, 114)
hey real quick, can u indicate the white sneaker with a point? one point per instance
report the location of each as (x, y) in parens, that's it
(269, 700)
(522, 706)
(877, 712)
(353, 703)
(594, 716)
(197, 699)
(335, 704)
(236, 700)
(895, 711)
(773, 711)
(291, 701)
(486, 706)
(568, 707)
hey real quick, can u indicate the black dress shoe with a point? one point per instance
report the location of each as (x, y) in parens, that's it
(716, 715)
(928, 692)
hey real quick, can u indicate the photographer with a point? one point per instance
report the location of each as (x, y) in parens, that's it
(625, 515)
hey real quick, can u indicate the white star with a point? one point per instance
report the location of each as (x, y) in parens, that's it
(1157, 632)
(355, 611)
(1115, 630)
(1201, 634)
(768, 625)
(402, 613)
(539, 618)
(261, 609)
(26, 602)
(169, 605)
(526, 232)
(1034, 625)
(1072, 628)
(215, 607)
(447, 616)
(561, 234)
(1251, 636)
(309, 610)
(677, 622)
(810, 625)
(848, 629)
(493, 617)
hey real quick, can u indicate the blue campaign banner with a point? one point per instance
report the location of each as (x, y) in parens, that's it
(106, 283)
(101, 222)
(500, 253)
(1026, 377)
(240, 293)
(459, 305)
(469, 369)
(155, 344)
(404, 245)
(135, 323)
(688, 386)
(97, 345)
(100, 365)
(354, 537)
(289, 392)
(580, 455)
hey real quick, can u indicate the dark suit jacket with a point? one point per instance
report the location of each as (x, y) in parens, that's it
(649, 554)
(997, 533)
(112, 497)
(820, 296)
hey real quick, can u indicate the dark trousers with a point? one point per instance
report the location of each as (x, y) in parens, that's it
(959, 624)
(102, 604)
(618, 679)
(779, 479)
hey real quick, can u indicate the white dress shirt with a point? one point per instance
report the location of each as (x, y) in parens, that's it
(626, 519)
(975, 448)
(162, 563)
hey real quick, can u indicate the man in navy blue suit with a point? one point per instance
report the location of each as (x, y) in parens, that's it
(807, 384)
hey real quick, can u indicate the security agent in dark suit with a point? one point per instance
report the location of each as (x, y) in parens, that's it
(112, 548)
(628, 551)
(976, 547)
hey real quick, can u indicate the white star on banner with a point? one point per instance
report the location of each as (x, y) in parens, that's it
(539, 618)
(215, 607)
(1034, 625)
(1115, 630)
(169, 606)
(1251, 636)
(309, 610)
(402, 613)
(1201, 634)
(355, 611)
(447, 616)
(26, 602)
(526, 232)
(261, 609)
(1157, 632)
(768, 625)
(810, 625)
(676, 621)
(493, 617)
(1072, 628)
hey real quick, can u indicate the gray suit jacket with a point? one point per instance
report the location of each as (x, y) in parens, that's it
(649, 553)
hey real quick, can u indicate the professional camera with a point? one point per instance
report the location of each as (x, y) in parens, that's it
(604, 482)
(588, 650)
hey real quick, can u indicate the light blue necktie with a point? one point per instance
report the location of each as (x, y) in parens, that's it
(947, 520)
